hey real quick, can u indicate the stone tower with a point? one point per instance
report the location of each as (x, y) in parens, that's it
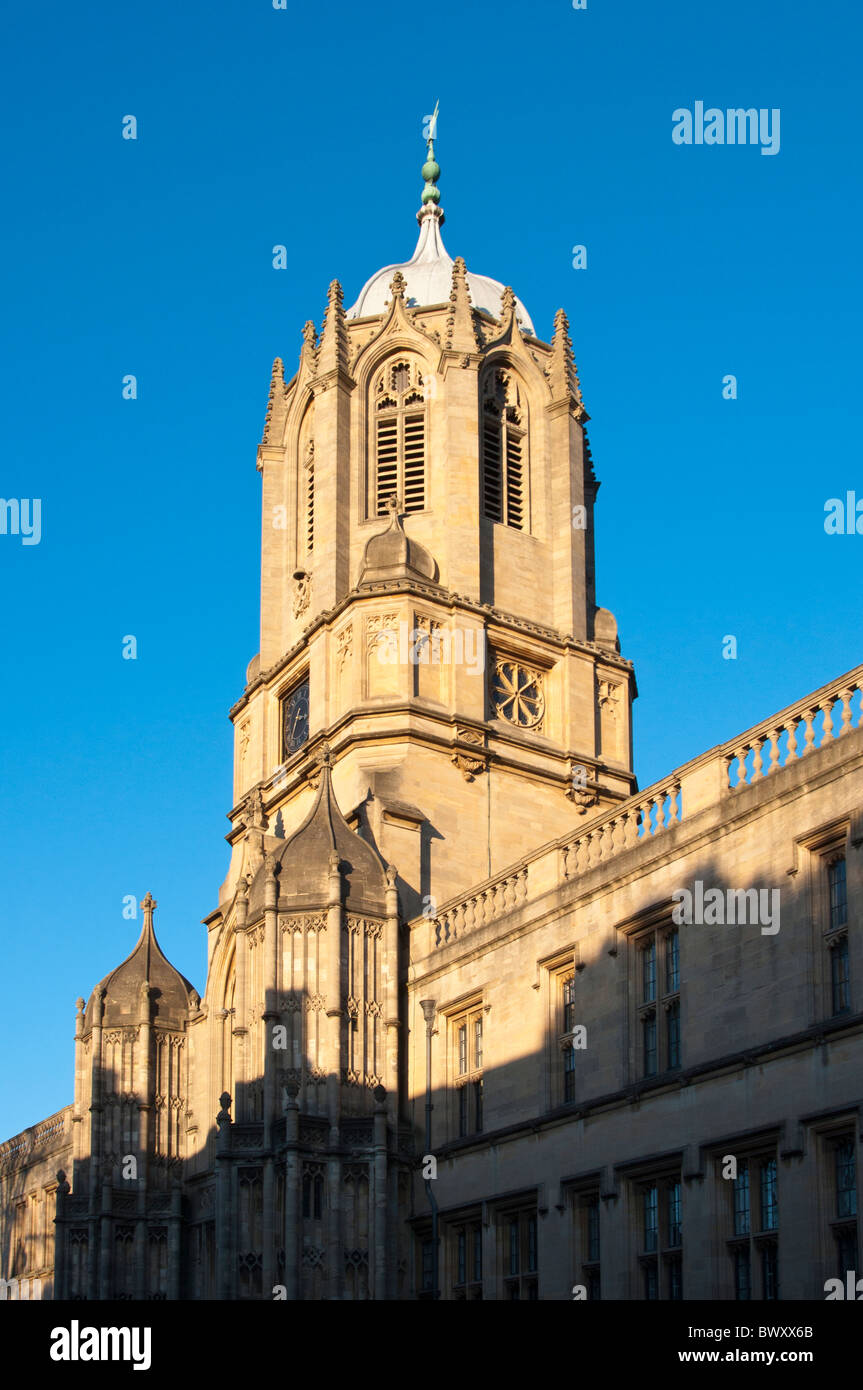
(427, 582)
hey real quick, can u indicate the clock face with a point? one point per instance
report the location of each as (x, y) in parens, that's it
(296, 719)
(517, 695)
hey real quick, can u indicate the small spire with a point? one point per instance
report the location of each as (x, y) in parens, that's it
(431, 169)
(309, 350)
(460, 328)
(148, 936)
(275, 400)
(563, 373)
(333, 350)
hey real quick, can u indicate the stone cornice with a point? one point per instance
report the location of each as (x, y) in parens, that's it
(500, 750)
(435, 592)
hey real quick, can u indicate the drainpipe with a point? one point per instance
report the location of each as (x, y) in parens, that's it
(428, 1008)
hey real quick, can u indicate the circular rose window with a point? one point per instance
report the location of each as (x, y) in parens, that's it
(517, 695)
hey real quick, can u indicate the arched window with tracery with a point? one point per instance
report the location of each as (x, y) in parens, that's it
(504, 451)
(399, 437)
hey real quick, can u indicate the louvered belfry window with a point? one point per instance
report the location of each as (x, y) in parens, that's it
(310, 498)
(399, 439)
(504, 446)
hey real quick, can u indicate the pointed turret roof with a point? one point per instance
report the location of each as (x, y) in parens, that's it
(305, 859)
(171, 992)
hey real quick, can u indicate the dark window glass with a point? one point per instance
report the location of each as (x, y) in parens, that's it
(742, 1275)
(741, 1200)
(838, 894)
(568, 1073)
(846, 1179)
(840, 977)
(672, 962)
(650, 1208)
(768, 1195)
(648, 1028)
(648, 973)
(675, 1225)
(672, 1018)
(568, 1005)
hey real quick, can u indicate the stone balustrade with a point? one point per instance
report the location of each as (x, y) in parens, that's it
(795, 732)
(16, 1151)
(491, 900)
(644, 815)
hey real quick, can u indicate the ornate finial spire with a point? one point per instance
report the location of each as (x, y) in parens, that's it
(333, 350)
(460, 328)
(431, 169)
(563, 373)
(309, 350)
(275, 401)
(148, 907)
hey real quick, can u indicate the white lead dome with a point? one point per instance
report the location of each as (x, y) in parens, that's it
(428, 279)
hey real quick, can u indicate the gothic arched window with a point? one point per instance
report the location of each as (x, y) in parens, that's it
(504, 452)
(399, 442)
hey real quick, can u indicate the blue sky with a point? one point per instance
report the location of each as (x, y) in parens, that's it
(154, 257)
